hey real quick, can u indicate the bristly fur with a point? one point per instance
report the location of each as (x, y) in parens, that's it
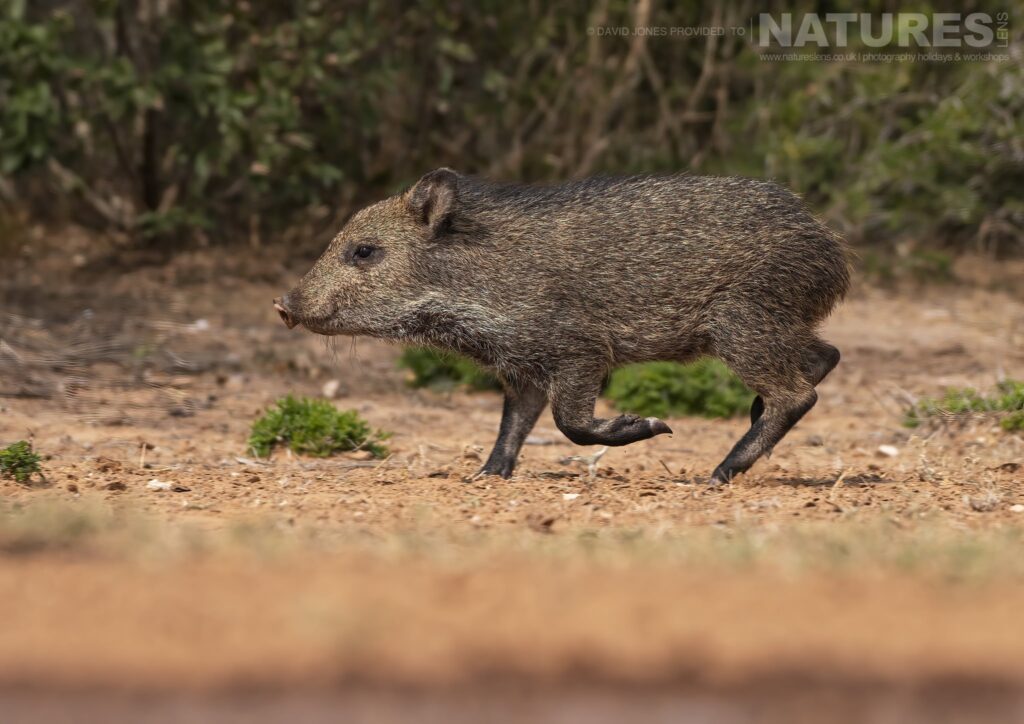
(555, 285)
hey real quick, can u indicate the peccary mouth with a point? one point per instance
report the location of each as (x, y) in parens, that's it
(331, 326)
(325, 327)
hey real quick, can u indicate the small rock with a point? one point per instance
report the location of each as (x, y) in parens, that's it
(155, 484)
(570, 496)
(1017, 508)
(538, 440)
(889, 451)
(72, 488)
(116, 485)
(985, 503)
(235, 382)
(815, 440)
(330, 389)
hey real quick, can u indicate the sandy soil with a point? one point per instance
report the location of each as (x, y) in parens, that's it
(830, 570)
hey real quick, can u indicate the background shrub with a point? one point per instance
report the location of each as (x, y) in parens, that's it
(313, 427)
(223, 119)
(665, 389)
(662, 389)
(444, 370)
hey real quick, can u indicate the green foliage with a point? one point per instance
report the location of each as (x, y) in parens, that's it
(19, 461)
(222, 118)
(444, 371)
(930, 265)
(1008, 398)
(664, 389)
(314, 427)
(909, 152)
(923, 265)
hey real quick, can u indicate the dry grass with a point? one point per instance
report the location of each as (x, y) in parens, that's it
(866, 546)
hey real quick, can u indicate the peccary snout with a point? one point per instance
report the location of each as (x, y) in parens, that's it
(281, 305)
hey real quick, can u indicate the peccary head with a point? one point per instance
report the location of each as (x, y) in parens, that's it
(381, 266)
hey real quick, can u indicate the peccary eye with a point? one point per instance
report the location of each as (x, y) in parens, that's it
(363, 251)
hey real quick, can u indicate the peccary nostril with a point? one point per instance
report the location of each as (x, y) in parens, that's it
(286, 316)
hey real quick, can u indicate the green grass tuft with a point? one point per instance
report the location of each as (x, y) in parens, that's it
(314, 427)
(1008, 398)
(664, 389)
(444, 370)
(19, 461)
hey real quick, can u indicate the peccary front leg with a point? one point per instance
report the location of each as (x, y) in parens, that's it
(572, 402)
(523, 405)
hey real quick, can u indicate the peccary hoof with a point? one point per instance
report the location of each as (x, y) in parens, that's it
(721, 476)
(501, 468)
(658, 427)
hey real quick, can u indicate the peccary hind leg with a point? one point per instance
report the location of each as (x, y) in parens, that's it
(787, 393)
(781, 413)
(523, 405)
(820, 359)
(572, 402)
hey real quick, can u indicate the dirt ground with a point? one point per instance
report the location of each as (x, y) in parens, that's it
(866, 570)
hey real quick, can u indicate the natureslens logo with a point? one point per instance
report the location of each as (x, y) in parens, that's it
(878, 30)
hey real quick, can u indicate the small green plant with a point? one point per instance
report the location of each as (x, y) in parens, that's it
(663, 389)
(1008, 398)
(19, 461)
(444, 370)
(1014, 422)
(314, 427)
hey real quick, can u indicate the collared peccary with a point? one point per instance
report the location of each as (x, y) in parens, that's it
(554, 286)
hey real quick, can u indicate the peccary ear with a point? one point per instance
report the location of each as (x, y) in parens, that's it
(432, 199)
